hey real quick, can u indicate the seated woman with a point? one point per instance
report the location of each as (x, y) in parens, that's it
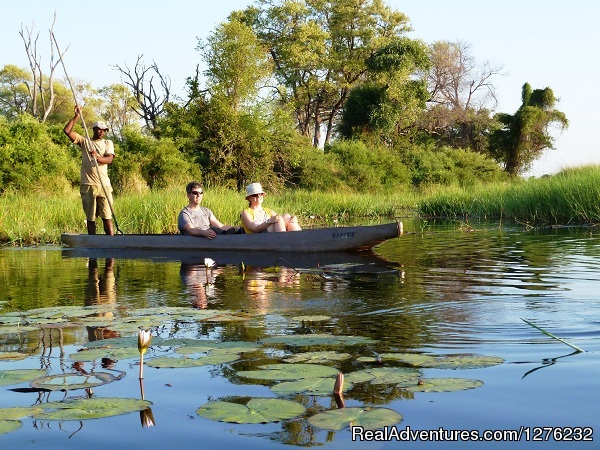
(257, 219)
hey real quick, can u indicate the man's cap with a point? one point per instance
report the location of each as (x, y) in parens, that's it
(100, 124)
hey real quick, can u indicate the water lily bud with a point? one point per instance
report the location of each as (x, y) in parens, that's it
(144, 340)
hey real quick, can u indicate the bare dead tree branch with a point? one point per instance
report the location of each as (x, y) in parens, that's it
(33, 57)
(150, 99)
(42, 87)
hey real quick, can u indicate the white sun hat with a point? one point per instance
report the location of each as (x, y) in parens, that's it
(254, 188)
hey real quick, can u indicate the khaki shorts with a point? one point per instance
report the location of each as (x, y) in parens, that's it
(95, 203)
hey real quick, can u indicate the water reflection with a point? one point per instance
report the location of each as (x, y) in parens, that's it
(546, 362)
(146, 415)
(101, 290)
(456, 293)
(260, 286)
(200, 283)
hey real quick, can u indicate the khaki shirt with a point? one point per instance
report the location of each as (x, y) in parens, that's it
(89, 174)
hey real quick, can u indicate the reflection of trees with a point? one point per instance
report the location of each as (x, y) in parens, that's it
(378, 394)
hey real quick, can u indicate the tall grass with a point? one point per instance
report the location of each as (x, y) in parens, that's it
(40, 217)
(570, 197)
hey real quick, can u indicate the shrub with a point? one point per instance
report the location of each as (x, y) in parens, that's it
(360, 167)
(450, 166)
(144, 162)
(30, 157)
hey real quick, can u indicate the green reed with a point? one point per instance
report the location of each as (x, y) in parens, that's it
(570, 197)
(40, 217)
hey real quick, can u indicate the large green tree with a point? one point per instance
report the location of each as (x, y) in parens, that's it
(234, 136)
(319, 49)
(237, 64)
(524, 135)
(14, 95)
(389, 103)
(118, 108)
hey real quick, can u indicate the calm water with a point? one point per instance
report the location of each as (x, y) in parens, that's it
(438, 291)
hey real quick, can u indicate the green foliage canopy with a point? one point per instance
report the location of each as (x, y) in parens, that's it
(524, 135)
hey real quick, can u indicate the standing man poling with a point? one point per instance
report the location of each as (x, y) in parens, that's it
(96, 192)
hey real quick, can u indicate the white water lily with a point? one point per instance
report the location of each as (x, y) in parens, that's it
(209, 262)
(144, 340)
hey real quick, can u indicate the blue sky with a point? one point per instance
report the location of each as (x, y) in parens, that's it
(543, 42)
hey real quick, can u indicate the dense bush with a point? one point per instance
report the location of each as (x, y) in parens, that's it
(360, 167)
(30, 156)
(143, 162)
(32, 153)
(447, 166)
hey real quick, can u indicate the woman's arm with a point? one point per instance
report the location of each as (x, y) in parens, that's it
(256, 228)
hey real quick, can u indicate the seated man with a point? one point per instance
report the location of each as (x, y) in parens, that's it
(197, 220)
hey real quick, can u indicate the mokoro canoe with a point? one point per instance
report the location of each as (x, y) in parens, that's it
(338, 239)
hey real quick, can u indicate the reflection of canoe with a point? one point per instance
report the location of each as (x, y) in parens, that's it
(337, 239)
(346, 262)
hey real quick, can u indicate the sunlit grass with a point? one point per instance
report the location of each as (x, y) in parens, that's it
(570, 197)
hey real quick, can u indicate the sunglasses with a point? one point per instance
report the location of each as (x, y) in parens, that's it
(256, 195)
(196, 192)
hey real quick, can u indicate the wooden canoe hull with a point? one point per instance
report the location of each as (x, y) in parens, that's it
(339, 239)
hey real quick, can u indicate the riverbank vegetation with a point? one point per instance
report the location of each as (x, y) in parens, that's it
(571, 197)
(338, 113)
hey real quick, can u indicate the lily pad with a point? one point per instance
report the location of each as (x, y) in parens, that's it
(441, 385)
(12, 356)
(90, 408)
(11, 320)
(119, 342)
(8, 377)
(18, 412)
(303, 340)
(8, 329)
(163, 362)
(71, 381)
(93, 354)
(8, 426)
(414, 359)
(257, 410)
(311, 386)
(217, 347)
(467, 362)
(368, 418)
(384, 375)
(439, 362)
(311, 318)
(289, 372)
(317, 357)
